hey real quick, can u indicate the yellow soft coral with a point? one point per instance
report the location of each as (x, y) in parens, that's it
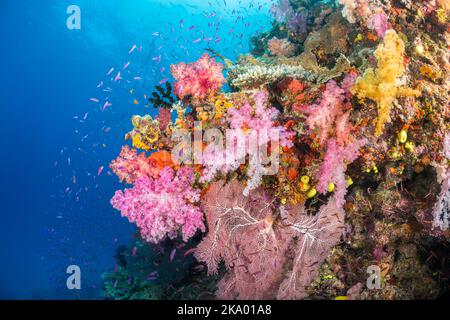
(380, 85)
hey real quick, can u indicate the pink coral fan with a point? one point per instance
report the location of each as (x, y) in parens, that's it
(162, 207)
(241, 234)
(281, 47)
(130, 165)
(315, 236)
(198, 79)
(334, 166)
(256, 251)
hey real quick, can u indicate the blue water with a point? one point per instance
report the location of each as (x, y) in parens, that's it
(55, 210)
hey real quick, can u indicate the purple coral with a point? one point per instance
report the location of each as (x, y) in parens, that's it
(163, 206)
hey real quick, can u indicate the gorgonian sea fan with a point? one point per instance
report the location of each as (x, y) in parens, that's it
(241, 234)
(198, 79)
(264, 258)
(162, 207)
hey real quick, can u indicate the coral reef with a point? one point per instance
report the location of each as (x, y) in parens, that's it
(355, 97)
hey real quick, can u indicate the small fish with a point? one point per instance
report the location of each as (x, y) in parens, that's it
(172, 255)
(100, 84)
(94, 100)
(126, 65)
(117, 76)
(132, 49)
(100, 170)
(135, 102)
(106, 105)
(110, 71)
(134, 251)
(164, 80)
(197, 40)
(74, 180)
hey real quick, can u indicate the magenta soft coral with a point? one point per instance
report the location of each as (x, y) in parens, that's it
(162, 207)
(198, 79)
(334, 166)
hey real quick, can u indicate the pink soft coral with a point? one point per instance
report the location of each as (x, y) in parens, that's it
(334, 166)
(323, 115)
(256, 122)
(130, 165)
(163, 206)
(198, 79)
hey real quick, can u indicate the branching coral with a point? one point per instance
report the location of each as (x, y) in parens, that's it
(163, 206)
(256, 76)
(162, 97)
(381, 84)
(198, 79)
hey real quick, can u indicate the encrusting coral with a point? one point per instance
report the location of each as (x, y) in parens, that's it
(355, 97)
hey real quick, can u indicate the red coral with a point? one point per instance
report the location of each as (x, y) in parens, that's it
(198, 79)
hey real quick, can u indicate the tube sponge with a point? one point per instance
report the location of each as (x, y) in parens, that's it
(380, 84)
